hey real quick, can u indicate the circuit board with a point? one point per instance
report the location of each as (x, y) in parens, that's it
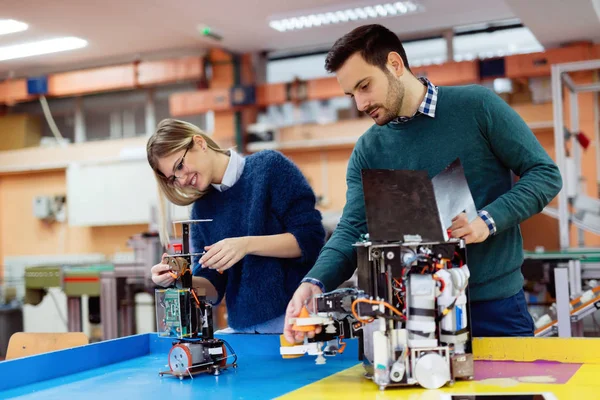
(172, 313)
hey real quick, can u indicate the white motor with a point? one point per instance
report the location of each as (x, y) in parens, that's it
(454, 325)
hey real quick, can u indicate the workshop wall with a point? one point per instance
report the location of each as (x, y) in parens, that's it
(21, 233)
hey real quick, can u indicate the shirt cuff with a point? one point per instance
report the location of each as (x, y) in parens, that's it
(489, 221)
(314, 282)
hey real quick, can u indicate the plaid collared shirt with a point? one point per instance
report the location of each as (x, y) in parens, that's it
(427, 106)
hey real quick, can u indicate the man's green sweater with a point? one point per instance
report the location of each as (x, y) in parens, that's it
(474, 124)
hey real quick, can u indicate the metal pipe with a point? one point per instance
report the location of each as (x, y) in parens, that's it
(563, 312)
(559, 143)
(74, 313)
(590, 87)
(574, 114)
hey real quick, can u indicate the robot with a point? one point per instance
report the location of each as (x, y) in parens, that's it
(184, 314)
(409, 308)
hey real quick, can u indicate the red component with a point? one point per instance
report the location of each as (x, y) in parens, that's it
(178, 248)
(583, 140)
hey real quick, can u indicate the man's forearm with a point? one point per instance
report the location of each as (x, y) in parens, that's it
(528, 197)
(283, 245)
(337, 260)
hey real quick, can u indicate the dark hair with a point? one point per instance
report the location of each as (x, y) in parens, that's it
(374, 42)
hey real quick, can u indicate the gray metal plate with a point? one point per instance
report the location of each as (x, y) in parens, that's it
(452, 194)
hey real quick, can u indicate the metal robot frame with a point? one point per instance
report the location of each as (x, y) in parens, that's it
(184, 314)
(410, 308)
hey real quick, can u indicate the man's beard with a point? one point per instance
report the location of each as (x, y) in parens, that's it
(393, 102)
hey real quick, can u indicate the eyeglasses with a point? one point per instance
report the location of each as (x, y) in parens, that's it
(173, 179)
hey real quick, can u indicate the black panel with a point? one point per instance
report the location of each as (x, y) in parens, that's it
(399, 203)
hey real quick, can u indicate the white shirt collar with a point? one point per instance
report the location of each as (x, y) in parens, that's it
(234, 170)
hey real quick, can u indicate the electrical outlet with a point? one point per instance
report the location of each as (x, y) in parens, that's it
(42, 207)
(60, 208)
(50, 208)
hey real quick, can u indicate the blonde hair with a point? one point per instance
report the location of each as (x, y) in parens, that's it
(171, 136)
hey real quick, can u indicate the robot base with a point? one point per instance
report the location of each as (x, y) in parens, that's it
(187, 359)
(199, 369)
(462, 371)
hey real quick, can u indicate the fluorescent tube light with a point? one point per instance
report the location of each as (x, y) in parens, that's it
(11, 26)
(311, 20)
(41, 47)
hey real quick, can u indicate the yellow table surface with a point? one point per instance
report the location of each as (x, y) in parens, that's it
(584, 384)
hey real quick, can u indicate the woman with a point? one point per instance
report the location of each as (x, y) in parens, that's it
(265, 234)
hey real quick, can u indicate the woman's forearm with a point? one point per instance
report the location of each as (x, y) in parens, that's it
(283, 245)
(204, 284)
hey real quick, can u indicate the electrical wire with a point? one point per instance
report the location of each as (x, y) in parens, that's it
(50, 120)
(375, 302)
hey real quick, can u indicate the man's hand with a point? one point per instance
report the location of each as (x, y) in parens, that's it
(304, 291)
(475, 232)
(225, 253)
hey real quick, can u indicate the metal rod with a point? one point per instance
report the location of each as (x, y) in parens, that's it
(185, 255)
(563, 313)
(569, 82)
(186, 238)
(192, 221)
(579, 66)
(559, 142)
(74, 313)
(574, 111)
(572, 288)
(578, 286)
(590, 87)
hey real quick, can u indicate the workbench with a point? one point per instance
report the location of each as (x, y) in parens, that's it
(128, 368)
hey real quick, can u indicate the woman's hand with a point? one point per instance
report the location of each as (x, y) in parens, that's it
(225, 253)
(161, 273)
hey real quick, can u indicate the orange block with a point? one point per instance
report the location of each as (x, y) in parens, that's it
(284, 343)
(306, 328)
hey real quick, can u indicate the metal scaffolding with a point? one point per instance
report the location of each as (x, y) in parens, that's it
(571, 169)
(568, 275)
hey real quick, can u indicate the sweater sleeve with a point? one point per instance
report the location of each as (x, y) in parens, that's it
(517, 148)
(293, 202)
(197, 242)
(337, 260)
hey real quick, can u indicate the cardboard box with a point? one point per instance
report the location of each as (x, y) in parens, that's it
(18, 131)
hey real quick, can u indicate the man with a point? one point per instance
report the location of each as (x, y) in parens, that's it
(419, 126)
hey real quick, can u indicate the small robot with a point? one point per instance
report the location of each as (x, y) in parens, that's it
(182, 313)
(410, 307)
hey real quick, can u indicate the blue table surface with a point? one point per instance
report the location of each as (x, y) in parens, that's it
(127, 368)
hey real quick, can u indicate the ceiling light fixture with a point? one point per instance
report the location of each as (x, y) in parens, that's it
(347, 15)
(41, 47)
(11, 26)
